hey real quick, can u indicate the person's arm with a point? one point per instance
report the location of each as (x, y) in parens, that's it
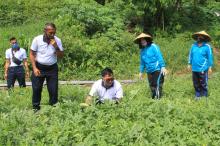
(33, 53)
(58, 47)
(25, 64)
(190, 59)
(88, 99)
(160, 60)
(7, 63)
(159, 56)
(210, 58)
(33, 62)
(26, 68)
(119, 94)
(142, 67)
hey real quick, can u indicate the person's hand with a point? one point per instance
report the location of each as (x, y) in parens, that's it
(6, 76)
(164, 71)
(210, 71)
(84, 105)
(189, 67)
(36, 72)
(141, 76)
(54, 43)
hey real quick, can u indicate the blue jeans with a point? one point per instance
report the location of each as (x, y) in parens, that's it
(16, 73)
(50, 73)
(200, 83)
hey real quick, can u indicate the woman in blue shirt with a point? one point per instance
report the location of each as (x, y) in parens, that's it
(152, 61)
(201, 62)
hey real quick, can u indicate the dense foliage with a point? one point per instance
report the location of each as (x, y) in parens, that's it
(100, 33)
(177, 119)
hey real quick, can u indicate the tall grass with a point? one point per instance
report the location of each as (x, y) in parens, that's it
(176, 119)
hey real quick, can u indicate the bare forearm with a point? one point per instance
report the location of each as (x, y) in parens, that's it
(26, 66)
(6, 66)
(88, 100)
(32, 58)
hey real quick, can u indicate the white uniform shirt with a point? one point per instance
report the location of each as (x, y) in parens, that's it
(103, 93)
(20, 54)
(45, 53)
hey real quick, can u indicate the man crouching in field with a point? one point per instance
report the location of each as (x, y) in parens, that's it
(106, 88)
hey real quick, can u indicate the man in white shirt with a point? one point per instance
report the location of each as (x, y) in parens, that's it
(45, 50)
(106, 88)
(16, 58)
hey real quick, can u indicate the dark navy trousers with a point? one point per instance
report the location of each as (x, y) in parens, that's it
(200, 83)
(152, 80)
(50, 73)
(16, 73)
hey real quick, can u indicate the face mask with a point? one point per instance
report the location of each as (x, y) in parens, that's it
(15, 46)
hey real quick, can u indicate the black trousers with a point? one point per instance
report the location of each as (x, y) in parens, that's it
(50, 73)
(16, 73)
(200, 83)
(152, 79)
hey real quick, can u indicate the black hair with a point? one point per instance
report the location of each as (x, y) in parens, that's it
(49, 24)
(12, 38)
(106, 71)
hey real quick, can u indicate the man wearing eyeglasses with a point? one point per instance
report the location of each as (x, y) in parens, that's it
(45, 50)
(16, 58)
(106, 88)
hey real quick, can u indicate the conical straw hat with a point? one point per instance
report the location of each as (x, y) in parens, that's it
(142, 35)
(203, 33)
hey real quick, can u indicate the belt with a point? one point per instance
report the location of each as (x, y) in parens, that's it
(45, 67)
(16, 66)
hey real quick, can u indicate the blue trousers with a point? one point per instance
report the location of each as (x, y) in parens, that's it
(50, 73)
(200, 83)
(16, 73)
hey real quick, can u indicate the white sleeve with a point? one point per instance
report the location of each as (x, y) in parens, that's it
(59, 43)
(93, 91)
(119, 92)
(7, 54)
(34, 45)
(24, 54)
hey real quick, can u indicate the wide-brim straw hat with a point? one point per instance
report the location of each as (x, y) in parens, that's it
(204, 34)
(142, 35)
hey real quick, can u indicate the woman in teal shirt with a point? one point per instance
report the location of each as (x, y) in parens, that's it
(152, 61)
(201, 62)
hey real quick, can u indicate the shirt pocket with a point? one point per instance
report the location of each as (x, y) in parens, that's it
(42, 48)
(50, 50)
